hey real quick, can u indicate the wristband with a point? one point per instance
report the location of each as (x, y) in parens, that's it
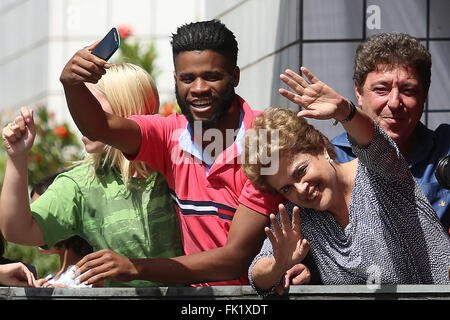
(350, 115)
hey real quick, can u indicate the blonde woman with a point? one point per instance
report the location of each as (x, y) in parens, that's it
(107, 200)
(365, 221)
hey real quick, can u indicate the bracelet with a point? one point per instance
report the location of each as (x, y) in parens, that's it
(350, 115)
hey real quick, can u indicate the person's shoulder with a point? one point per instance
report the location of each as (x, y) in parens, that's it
(176, 119)
(74, 178)
(245, 106)
(78, 171)
(340, 140)
(249, 114)
(170, 122)
(442, 137)
(443, 129)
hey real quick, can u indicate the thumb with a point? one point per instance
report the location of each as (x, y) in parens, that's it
(92, 46)
(30, 123)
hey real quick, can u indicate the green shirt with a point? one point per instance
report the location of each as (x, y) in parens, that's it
(138, 222)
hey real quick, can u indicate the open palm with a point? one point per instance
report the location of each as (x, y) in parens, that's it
(319, 100)
(289, 247)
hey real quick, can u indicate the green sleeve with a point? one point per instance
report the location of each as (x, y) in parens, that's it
(57, 211)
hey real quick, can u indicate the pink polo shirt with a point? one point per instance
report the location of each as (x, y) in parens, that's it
(206, 192)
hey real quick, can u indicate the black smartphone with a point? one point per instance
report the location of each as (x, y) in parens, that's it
(109, 44)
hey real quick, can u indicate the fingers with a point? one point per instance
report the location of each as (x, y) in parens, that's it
(84, 67)
(30, 278)
(40, 283)
(27, 114)
(95, 267)
(285, 227)
(285, 223)
(299, 85)
(307, 113)
(295, 98)
(88, 68)
(92, 46)
(297, 79)
(311, 77)
(270, 235)
(295, 82)
(85, 268)
(16, 129)
(280, 290)
(296, 225)
(22, 275)
(276, 226)
(300, 275)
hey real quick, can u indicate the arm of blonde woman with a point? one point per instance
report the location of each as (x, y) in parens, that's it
(16, 222)
(321, 102)
(288, 249)
(16, 275)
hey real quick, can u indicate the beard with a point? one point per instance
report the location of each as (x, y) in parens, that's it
(223, 104)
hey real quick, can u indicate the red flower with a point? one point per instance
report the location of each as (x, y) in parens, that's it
(125, 31)
(167, 109)
(36, 158)
(62, 132)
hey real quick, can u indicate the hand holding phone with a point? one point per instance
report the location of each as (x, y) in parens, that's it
(109, 44)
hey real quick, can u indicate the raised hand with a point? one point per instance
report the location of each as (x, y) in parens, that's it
(18, 135)
(318, 99)
(83, 67)
(289, 247)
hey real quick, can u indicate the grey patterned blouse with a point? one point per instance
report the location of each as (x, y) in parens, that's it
(393, 236)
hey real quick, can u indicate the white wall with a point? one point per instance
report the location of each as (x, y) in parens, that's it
(40, 36)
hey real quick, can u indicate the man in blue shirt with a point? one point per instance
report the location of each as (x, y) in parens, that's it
(392, 74)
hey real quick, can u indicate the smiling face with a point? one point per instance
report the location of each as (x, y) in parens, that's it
(205, 82)
(305, 179)
(394, 97)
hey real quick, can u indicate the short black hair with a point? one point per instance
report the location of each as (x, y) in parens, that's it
(205, 35)
(42, 185)
(77, 244)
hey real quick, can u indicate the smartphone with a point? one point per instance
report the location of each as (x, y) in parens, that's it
(109, 44)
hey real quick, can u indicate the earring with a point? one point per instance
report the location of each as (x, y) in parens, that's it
(327, 156)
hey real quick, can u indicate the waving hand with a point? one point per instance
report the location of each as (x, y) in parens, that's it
(318, 99)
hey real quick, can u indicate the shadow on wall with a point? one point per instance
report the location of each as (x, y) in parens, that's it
(287, 53)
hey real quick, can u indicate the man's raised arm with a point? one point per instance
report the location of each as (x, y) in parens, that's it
(221, 264)
(86, 111)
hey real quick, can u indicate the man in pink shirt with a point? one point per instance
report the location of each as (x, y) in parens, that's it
(222, 217)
